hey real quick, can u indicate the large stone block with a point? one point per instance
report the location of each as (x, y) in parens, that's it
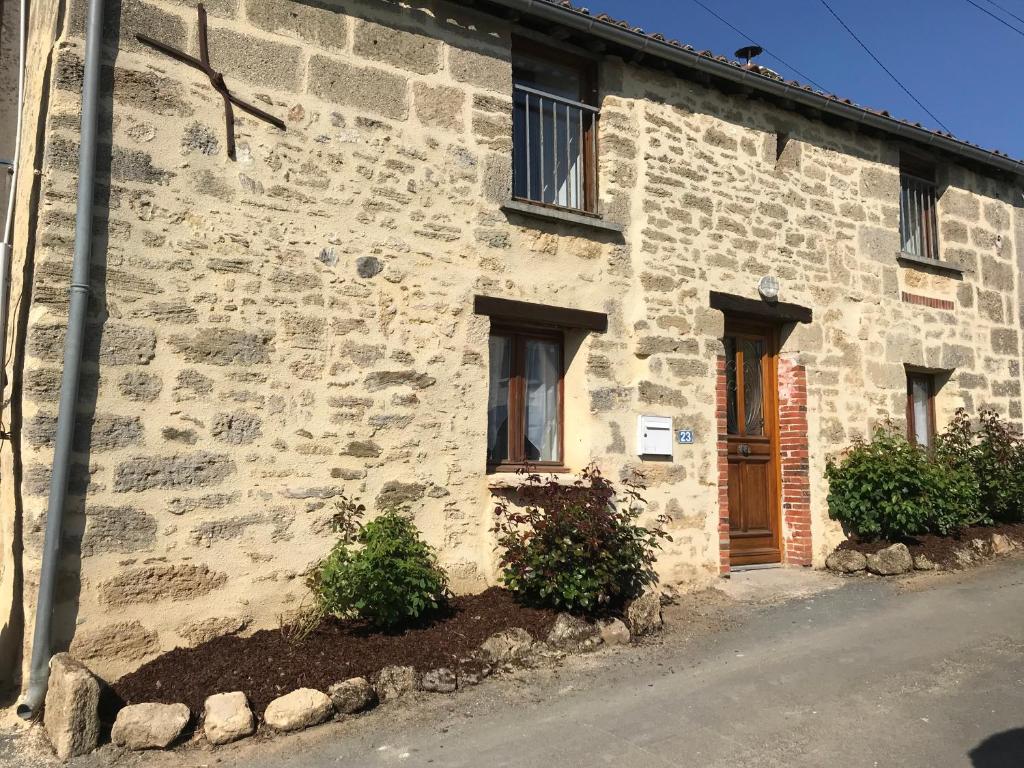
(237, 428)
(227, 718)
(395, 682)
(997, 274)
(1005, 341)
(879, 244)
(321, 25)
(189, 470)
(497, 177)
(224, 346)
(119, 29)
(149, 726)
(382, 93)
(401, 49)
(364, 449)
(149, 583)
(121, 640)
(957, 356)
(125, 164)
(139, 386)
(439, 106)
(378, 380)
(126, 345)
(71, 714)
(118, 344)
(352, 695)
(117, 529)
(255, 60)
(658, 394)
(880, 183)
(298, 709)
(491, 71)
(104, 433)
(396, 494)
(198, 631)
(644, 614)
(957, 202)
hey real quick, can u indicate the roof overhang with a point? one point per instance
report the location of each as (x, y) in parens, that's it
(552, 14)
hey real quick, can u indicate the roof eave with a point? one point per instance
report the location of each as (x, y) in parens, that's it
(640, 42)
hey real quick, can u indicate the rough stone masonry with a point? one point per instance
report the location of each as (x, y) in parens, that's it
(270, 334)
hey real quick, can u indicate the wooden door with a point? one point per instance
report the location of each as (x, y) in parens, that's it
(753, 443)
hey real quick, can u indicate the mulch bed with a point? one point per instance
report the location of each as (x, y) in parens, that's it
(266, 665)
(941, 550)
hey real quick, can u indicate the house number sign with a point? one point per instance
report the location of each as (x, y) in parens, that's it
(685, 436)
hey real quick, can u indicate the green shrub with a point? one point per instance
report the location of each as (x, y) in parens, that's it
(890, 488)
(382, 572)
(576, 547)
(994, 454)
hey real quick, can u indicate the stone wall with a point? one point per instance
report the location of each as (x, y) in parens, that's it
(269, 334)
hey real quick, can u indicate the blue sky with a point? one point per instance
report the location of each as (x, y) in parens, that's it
(961, 64)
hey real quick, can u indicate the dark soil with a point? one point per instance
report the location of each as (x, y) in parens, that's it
(266, 665)
(941, 550)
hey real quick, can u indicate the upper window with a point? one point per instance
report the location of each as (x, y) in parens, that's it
(524, 401)
(921, 409)
(918, 228)
(554, 128)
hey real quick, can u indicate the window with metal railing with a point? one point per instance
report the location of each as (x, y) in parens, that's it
(918, 220)
(554, 130)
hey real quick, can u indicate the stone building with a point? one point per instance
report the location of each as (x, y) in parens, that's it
(489, 232)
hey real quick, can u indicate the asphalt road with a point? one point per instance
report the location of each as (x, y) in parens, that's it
(870, 674)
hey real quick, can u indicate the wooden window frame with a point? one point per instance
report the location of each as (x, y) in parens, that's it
(929, 379)
(516, 461)
(587, 69)
(922, 173)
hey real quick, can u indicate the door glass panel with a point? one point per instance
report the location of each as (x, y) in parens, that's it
(543, 367)
(732, 424)
(497, 398)
(921, 394)
(753, 394)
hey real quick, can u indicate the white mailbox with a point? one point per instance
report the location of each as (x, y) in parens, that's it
(654, 435)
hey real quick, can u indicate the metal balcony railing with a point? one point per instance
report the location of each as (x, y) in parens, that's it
(554, 155)
(918, 222)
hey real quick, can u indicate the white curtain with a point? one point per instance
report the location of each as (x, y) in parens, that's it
(497, 398)
(542, 373)
(922, 413)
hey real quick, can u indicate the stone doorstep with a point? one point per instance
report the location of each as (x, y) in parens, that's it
(159, 726)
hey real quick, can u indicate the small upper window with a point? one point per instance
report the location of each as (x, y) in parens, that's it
(554, 128)
(524, 401)
(921, 409)
(918, 225)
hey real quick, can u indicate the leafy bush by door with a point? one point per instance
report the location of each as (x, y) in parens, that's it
(577, 547)
(891, 489)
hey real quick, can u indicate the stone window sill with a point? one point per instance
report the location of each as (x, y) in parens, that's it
(944, 267)
(548, 213)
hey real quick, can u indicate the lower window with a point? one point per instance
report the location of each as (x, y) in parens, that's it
(921, 409)
(524, 402)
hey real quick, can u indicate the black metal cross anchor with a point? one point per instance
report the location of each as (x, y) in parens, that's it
(216, 80)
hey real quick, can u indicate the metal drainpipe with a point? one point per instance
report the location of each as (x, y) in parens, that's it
(39, 671)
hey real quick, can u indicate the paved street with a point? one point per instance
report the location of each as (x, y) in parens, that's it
(870, 674)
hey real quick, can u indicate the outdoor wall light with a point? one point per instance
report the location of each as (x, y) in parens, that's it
(768, 288)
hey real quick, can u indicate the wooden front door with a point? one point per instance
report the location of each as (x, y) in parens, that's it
(752, 437)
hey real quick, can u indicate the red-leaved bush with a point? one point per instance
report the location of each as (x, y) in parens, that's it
(577, 547)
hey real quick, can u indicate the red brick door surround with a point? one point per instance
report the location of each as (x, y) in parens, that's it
(793, 463)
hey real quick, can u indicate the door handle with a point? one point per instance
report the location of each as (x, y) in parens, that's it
(744, 450)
